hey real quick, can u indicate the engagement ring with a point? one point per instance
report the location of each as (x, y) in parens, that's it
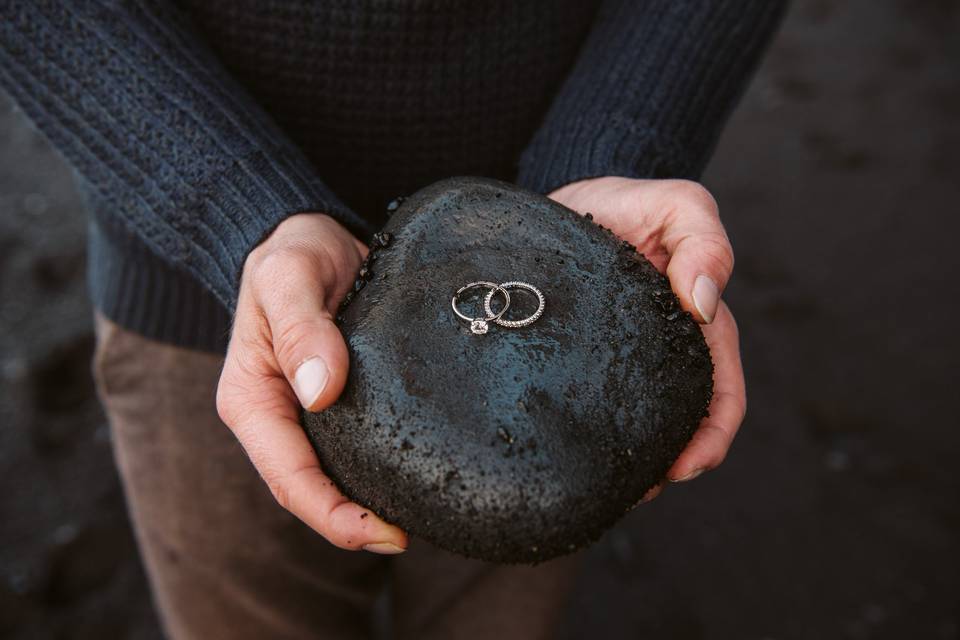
(480, 326)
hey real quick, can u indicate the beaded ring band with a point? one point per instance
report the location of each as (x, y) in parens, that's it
(513, 324)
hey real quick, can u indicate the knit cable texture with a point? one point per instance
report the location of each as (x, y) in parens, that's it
(197, 126)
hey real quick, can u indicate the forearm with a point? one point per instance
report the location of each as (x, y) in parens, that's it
(150, 119)
(649, 94)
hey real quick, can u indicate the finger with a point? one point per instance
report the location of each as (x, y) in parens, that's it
(267, 427)
(701, 258)
(651, 494)
(654, 491)
(307, 343)
(712, 439)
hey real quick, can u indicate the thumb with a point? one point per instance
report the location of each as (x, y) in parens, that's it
(307, 343)
(701, 258)
(314, 359)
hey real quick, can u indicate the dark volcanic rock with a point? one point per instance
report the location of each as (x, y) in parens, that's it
(521, 444)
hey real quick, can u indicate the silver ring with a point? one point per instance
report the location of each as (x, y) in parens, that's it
(479, 326)
(516, 284)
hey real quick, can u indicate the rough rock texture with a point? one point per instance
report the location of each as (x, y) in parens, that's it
(521, 444)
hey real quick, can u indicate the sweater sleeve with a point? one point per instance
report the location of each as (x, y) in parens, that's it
(650, 91)
(188, 162)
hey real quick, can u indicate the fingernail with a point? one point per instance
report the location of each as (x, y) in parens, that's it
(706, 297)
(383, 547)
(310, 380)
(690, 476)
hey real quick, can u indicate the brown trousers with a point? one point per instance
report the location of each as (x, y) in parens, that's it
(225, 561)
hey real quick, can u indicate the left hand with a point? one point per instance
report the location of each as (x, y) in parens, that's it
(287, 352)
(676, 225)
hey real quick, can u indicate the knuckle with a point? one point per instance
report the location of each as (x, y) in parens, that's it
(229, 391)
(277, 265)
(734, 328)
(696, 195)
(251, 359)
(288, 338)
(224, 406)
(715, 247)
(232, 403)
(715, 444)
(281, 493)
(281, 485)
(717, 459)
(285, 486)
(289, 279)
(340, 533)
(741, 406)
(243, 369)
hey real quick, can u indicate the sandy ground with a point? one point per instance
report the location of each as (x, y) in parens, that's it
(836, 514)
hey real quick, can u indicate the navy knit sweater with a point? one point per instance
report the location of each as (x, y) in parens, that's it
(196, 126)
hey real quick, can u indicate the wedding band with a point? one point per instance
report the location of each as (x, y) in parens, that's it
(479, 326)
(513, 324)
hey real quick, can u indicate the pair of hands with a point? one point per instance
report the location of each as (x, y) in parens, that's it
(286, 351)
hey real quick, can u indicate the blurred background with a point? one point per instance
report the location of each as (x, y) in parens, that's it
(837, 514)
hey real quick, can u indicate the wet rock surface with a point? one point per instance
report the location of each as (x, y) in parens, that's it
(523, 443)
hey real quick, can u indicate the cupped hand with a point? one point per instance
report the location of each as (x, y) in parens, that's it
(286, 352)
(676, 225)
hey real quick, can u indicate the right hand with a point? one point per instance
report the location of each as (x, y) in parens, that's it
(676, 225)
(285, 350)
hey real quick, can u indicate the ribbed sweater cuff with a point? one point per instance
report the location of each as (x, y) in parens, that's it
(244, 205)
(652, 87)
(139, 291)
(188, 162)
(575, 151)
